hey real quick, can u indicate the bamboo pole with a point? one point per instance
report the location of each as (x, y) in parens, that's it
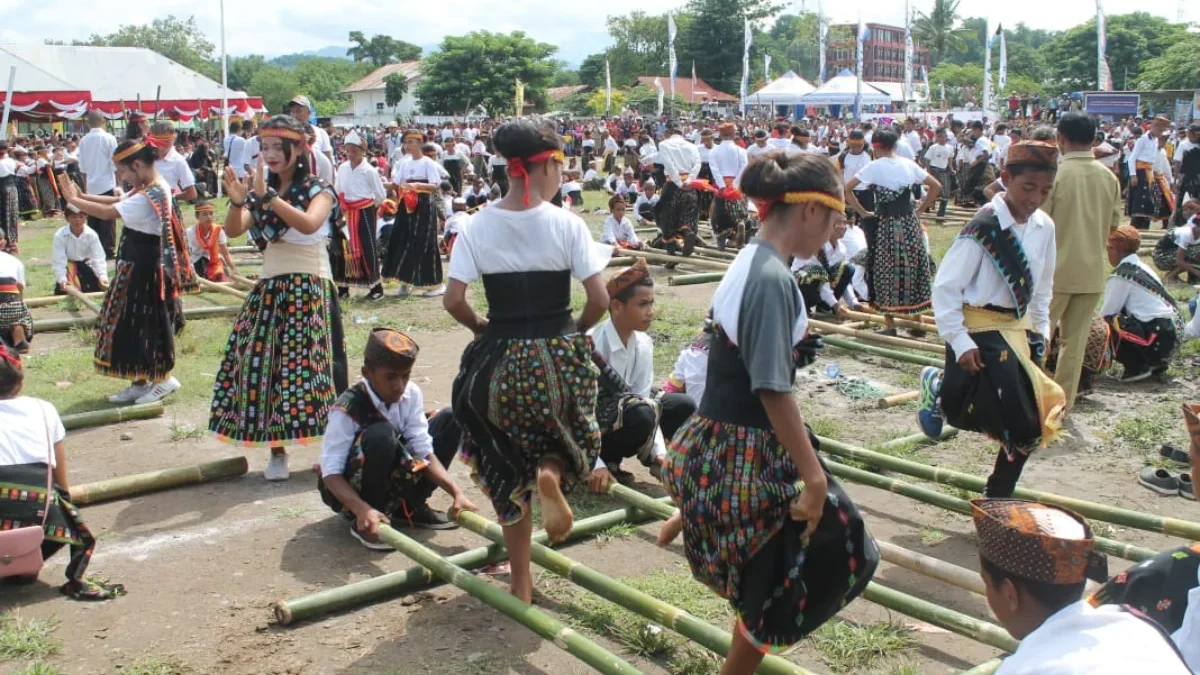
(82, 299)
(51, 325)
(153, 481)
(395, 584)
(932, 567)
(663, 258)
(534, 619)
(825, 327)
(94, 418)
(986, 668)
(249, 283)
(51, 300)
(694, 279)
(948, 432)
(890, 321)
(661, 613)
(220, 288)
(907, 357)
(980, 631)
(244, 249)
(620, 262)
(921, 318)
(950, 503)
(1104, 512)
(897, 399)
(708, 253)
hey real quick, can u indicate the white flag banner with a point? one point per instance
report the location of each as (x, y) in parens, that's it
(659, 87)
(822, 31)
(1002, 74)
(908, 55)
(766, 68)
(745, 91)
(674, 65)
(1103, 74)
(985, 100)
(858, 68)
(607, 87)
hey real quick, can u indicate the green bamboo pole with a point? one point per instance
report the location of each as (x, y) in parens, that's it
(693, 279)
(949, 503)
(701, 632)
(94, 418)
(919, 439)
(825, 328)
(919, 359)
(956, 622)
(932, 567)
(50, 300)
(620, 262)
(50, 325)
(395, 584)
(1105, 512)
(153, 481)
(663, 258)
(534, 619)
(985, 668)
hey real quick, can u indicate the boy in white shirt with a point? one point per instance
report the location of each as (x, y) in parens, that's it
(208, 246)
(1144, 317)
(618, 231)
(643, 208)
(77, 256)
(938, 158)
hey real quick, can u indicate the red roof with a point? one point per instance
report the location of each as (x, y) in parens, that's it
(683, 88)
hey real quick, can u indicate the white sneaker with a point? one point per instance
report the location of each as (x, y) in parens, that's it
(373, 545)
(159, 391)
(404, 291)
(440, 290)
(129, 394)
(277, 468)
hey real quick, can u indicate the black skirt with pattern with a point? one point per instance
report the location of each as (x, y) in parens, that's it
(138, 321)
(413, 255)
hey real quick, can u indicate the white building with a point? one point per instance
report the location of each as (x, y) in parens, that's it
(369, 106)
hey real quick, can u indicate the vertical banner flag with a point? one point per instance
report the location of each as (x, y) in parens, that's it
(1103, 74)
(748, 37)
(693, 80)
(942, 92)
(1002, 75)
(985, 101)
(674, 64)
(766, 68)
(908, 55)
(858, 68)
(607, 87)
(822, 31)
(658, 86)
(519, 97)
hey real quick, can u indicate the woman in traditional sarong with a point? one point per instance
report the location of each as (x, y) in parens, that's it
(33, 470)
(353, 246)
(413, 257)
(140, 316)
(27, 203)
(9, 200)
(525, 395)
(47, 190)
(285, 361)
(179, 178)
(790, 557)
(454, 164)
(1149, 196)
(899, 266)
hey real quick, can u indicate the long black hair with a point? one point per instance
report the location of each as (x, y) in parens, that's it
(289, 123)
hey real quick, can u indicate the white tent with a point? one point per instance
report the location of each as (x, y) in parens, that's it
(787, 89)
(841, 90)
(896, 90)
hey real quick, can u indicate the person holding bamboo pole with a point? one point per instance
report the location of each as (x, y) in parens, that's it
(209, 246)
(793, 555)
(525, 395)
(285, 361)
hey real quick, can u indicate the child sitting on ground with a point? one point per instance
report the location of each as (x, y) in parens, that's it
(381, 459)
(77, 258)
(691, 367)
(1178, 251)
(1145, 320)
(643, 208)
(829, 276)
(618, 230)
(16, 323)
(455, 223)
(209, 246)
(572, 191)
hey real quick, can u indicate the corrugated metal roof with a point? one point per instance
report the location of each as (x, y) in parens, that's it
(559, 93)
(683, 88)
(411, 70)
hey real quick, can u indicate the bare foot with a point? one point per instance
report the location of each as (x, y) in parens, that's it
(670, 530)
(522, 590)
(556, 513)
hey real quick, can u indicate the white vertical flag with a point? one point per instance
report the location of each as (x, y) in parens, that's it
(1103, 74)
(908, 55)
(674, 65)
(1002, 75)
(693, 80)
(766, 68)
(822, 31)
(607, 87)
(985, 101)
(658, 86)
(748, 37)
(858, 68)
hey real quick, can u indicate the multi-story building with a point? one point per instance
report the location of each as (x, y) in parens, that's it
(883, 53)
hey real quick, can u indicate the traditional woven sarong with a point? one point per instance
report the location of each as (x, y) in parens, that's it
(353, 249)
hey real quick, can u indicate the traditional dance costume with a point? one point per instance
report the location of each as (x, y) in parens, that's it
(47, 188)
(979, 175)
(992, 293)
(178, 175)
(1188, 181)
(850, 165)
(353, 248)
(729, 213)
(204, 246)
(285, 361)
(13, 310)
(899, 266)
(733, 480)
(706, 175)
(27, 203)
(453, 164)
(827, 277)
(77, 261)
(677, 213)
(1146, 322)
(527, 387)
(1165, 251)
(9, 201)
(413, 257)
(1151, 198)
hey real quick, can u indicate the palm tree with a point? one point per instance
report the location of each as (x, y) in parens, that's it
(940, 31)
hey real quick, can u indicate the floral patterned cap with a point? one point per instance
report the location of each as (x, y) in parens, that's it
(1034, 541)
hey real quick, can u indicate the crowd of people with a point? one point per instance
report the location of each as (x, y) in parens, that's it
(824, 216)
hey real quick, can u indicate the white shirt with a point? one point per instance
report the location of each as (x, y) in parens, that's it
(833, 255)
(893, 173)
(84, 248)
(968, 276)
(420, 170)
(1145, 149)
(1002, 143)
(854, 239)
(198, 250)
(324, 167)
(479, 148)
(8, 166)
(634, 362)
(11, 268)
(590, 176)
(175, 170)
(407, 416)
(1183, 147)
(727, 159)
(322, 145)
(903, 150)
(754, 150)
(95, 161)
(691, 368)
(456, 222)
(637, 206)
(913, 139)
(542, 239)
(938, 157)
(360, 182)
(852, 164)
(250, 152)
(1120, 293)
(618, 232)
(28, 429)
(1083, 640)
(1162, 165)
(138, 213)
(981, 146)
(705, 153)
(235, 155)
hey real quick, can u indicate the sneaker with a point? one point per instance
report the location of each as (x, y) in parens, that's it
(1185, 487)
(159, 391)
(433, 293)
(376, 293)
(404, 291)
(929, 412)
(129, 394)
(1159, 480)
(1174, 454)
(362, 539)
(22, 347)
(277, 468)
(425, 518)
(1137, 376)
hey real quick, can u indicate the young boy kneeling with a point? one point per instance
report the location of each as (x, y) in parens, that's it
(1145, 320)
(208, 246)
(380, 458)
(991, 302)
(77, 257)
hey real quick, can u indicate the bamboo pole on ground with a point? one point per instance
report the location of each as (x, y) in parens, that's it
(932, 567)
(694, 279)
(826, 328)
(244, 249)
(153, 481)
(81, 298)
(956, 622)
(249, 283)
(94, 418)
(907, 357)
(1096, 511)
(708, 253)
(51, 300)
(534, 619)
(220, 288)
(889, 321)
(948, 432)
(920, 318)
(51, 325)
(395, 584)
(620, 262)
(663, 258)
(643, 604)
(986, 668)
(897, 399)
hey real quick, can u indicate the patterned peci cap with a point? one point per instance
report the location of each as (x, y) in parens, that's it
(390, 348)
(628, 277)
(1034, 541)
(1033, 153)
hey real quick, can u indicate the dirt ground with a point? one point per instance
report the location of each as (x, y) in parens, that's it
(204, 564)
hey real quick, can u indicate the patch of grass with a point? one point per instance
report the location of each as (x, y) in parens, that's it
(675, 326)
(182, 431)
(292, 512)
(1103, 529)
(1143, 431)
(955, 491)
(827, 427)
(931, 536)
(22, 638)
(694, 661)
(618, 531)
(906, 669)
(37, 668)
(156, 665)
(847, 647)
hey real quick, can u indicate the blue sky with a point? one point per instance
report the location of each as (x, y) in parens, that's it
(274, 27)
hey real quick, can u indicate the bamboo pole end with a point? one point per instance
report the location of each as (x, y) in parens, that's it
(283, 614)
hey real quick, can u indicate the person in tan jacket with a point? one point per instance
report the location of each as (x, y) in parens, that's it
(1085, 204)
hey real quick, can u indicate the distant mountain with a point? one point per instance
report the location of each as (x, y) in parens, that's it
(290, 60)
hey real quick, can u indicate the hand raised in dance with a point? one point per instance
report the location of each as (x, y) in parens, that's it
(971, 362)
(260, 178)
(233, 187)
(68, 188)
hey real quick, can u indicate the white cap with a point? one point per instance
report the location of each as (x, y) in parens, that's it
(353, 138)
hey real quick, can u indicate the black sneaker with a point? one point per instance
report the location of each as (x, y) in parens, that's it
(1159, 480)
(425, 518)
(1174, 454)
(376, 293)
(343, 293)
(1185, 487)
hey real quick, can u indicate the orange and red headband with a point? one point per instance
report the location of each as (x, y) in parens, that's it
(824, 198)
(122, 155)
(161, 141)
(518, 166)
(287, 134)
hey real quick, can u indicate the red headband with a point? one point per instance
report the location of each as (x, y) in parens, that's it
(10, 357)
(517, 166)
(800, 197)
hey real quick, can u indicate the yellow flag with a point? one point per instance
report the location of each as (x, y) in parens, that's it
(519, 101)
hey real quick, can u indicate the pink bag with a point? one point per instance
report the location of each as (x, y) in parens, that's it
(21, 549)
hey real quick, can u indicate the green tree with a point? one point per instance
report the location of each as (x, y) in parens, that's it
(597, 99)
(381, 49)
(591, 70)
(940, 30)
(182, 41)
(481, 68)
(276, 86)
(323, 80)
(640, 45)
(395, 87)
(1176, 68)
(716, 30)
(242, 69)
(1133, 39)
(564, 75)
(793, 44)
(964, 82)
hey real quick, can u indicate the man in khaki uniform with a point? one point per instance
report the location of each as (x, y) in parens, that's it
(1085, 204)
